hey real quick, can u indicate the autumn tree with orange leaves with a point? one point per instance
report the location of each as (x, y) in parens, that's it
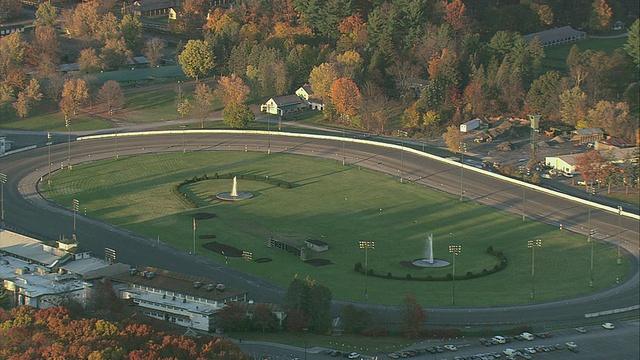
(413, 316)
(232, 90)
(28, 333)
(589, 164)
(346, 97)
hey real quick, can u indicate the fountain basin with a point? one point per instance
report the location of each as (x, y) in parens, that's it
(227, 196)
(426, 263)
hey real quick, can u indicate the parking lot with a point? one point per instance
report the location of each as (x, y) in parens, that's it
(595, 343)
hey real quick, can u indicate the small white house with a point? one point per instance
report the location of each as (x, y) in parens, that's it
(564, 163)
(308, 96)
(470, 125)
(283, 105)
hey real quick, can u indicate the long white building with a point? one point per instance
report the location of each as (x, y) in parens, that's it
(186, 300)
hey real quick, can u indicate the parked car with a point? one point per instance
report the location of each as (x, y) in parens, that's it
(451, 347)
(608, 326)
(581, 330)
(353, 355)
(527, 336)
(499, 340)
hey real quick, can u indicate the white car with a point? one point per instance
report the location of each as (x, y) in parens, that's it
(608, 326)
(353, 355)
(451, 347)
(530, 350)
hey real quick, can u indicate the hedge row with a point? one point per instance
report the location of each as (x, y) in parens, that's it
(177, 189)
(469, 275)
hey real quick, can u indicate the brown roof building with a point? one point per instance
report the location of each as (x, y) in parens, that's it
(179, 298)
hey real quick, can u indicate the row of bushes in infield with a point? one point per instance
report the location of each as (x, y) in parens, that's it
(177, 189)
(469, 275)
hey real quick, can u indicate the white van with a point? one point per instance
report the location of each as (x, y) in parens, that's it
(527, 336)
(499, 339)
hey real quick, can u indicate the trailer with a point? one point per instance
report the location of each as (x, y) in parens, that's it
(470, 125)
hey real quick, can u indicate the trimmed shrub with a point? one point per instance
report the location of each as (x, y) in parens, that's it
(389, 276)
(408, 277)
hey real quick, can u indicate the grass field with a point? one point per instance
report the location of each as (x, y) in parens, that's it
(340, 205)
(556, 56)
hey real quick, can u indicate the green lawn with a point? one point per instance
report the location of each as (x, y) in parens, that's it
(556, 56)
(340, 205)
(46, 118)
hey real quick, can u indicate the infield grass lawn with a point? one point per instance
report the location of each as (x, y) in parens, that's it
(339, 205)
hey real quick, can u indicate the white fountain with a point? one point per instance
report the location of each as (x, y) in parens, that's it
(234, 187)
(234, 195)
(428, 260)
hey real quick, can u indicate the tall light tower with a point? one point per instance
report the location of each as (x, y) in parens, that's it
(67, 123)
(366, 245)
(533, 244)
(455, 250)
(3, 180)
(76, 207)
(592, 233)
(462, 149)
(49, 148)
(619, 261)
(344, 151)
(535, 131)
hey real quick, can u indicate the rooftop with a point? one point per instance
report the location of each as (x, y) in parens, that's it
(25, 247)
(37, 281)
(180, 283)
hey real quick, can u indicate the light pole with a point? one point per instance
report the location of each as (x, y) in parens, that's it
(454, 250)
(592, 233)
(523, 197)
(194, 236)
(116, 144)
(401, 162)
(76, 206)
(67, 123)
(463, 149)
(590, 191)
(269, 134)
(3, 180)
(49, 148)
(344, 154)
(619, 261)
(533, 244)
(366, 245)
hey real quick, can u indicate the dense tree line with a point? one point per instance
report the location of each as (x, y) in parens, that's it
(368, 60)
(54, 332)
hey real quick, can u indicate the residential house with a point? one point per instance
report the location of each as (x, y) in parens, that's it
(186, 300)
(283, 105)
(148, 8)
(249, 308)
(309, 97)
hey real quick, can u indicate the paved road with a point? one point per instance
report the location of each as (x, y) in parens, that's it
(22, 209)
